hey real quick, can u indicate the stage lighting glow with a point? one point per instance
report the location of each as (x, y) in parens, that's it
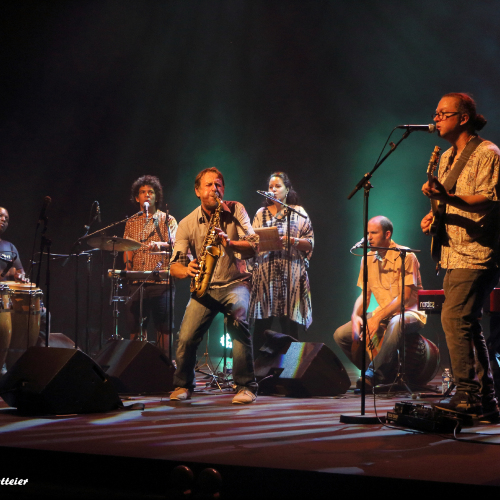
(229, 343)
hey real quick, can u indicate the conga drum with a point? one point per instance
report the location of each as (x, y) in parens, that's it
(5, 321)
(422, 359)
(25, 317)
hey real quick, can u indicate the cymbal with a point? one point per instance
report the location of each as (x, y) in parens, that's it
(113, 243)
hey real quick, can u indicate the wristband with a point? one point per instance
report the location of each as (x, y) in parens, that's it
(295, 242)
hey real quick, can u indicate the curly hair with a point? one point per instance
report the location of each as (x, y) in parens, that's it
(467, 105)
(147, 180)
(292, 198)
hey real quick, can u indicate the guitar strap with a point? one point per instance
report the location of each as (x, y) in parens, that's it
(441, 237)
(453, 176)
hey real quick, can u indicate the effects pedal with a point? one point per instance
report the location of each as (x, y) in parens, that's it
(424, 418)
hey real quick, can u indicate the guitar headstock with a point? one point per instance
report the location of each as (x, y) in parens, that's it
(433, 163)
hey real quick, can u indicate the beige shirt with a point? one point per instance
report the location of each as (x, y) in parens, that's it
(472, 238)
(384, 279)
(190, 236)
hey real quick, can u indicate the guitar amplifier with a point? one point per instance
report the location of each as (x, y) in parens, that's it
(430, 301)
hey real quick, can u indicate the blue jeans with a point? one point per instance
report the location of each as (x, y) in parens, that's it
(465, 291)
(384, 368)
(232, 301)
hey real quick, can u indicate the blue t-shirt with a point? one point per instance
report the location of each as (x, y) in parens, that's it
(8, 251)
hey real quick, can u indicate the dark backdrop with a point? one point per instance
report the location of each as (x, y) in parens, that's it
(97, 93)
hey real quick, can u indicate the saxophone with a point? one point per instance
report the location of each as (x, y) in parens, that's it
(209, 256)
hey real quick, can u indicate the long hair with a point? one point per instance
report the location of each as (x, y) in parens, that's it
(467, 105)
(147, 180)
(292, 198)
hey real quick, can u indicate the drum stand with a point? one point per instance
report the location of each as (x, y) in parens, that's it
(224, 380)
(115, 299)
(209, 366)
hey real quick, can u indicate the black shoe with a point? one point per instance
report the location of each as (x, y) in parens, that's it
(491, 411)
(461, 402)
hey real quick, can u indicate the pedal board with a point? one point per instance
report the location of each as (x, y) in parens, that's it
(425, 418)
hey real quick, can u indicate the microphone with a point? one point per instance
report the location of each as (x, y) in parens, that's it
(266, 193)
(98, 211)
(46, 202)
(146, 208)
(359, 244)
(431, 128)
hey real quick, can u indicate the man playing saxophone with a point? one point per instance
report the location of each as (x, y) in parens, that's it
(221, 229)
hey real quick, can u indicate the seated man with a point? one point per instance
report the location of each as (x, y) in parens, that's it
(383, 325)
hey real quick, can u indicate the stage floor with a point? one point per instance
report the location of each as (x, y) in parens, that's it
(275, 448)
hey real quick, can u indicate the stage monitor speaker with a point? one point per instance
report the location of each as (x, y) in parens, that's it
(136, 367)
(56, 340)
(301, 369)
(51, 380)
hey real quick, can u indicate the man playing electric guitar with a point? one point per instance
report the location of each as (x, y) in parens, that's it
(384, 324)
(468, 184)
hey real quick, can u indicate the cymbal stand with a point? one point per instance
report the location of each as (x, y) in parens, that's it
(115, 299)
(143, 336)
(223, 376)
(209, 366)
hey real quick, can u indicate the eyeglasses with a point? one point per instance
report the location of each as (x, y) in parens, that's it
(444, 115)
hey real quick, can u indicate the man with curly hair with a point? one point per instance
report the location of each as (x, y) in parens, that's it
(156, 232)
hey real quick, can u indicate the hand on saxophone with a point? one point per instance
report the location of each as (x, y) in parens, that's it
(224, 238)
(193, 268)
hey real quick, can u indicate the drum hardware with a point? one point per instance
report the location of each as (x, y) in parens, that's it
(224, 381)
(26, 306)
(45, 246)
(142, 336)
(207, 367)
(5, 322)
(114, 243)
(99, 241)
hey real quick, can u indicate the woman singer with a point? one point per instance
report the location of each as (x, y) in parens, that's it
(270, 268)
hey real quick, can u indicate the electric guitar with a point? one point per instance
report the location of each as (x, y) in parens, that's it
(437, 228)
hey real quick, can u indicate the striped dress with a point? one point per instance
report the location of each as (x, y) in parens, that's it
(270, 271)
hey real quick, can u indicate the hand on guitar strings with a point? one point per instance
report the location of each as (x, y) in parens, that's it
(435, 190)
(426, 223)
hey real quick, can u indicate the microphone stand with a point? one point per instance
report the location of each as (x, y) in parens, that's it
(170, 289)
(366, 185)
(43, 243)
(76, 252)
(400, 380)
(288, 213)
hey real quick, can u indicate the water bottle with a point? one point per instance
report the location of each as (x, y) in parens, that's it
(446, 376)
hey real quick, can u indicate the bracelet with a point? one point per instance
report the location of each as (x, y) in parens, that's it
(296, 242)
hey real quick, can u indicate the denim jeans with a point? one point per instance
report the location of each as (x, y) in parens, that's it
(233, 302)
(465, 291)
(384, 368)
